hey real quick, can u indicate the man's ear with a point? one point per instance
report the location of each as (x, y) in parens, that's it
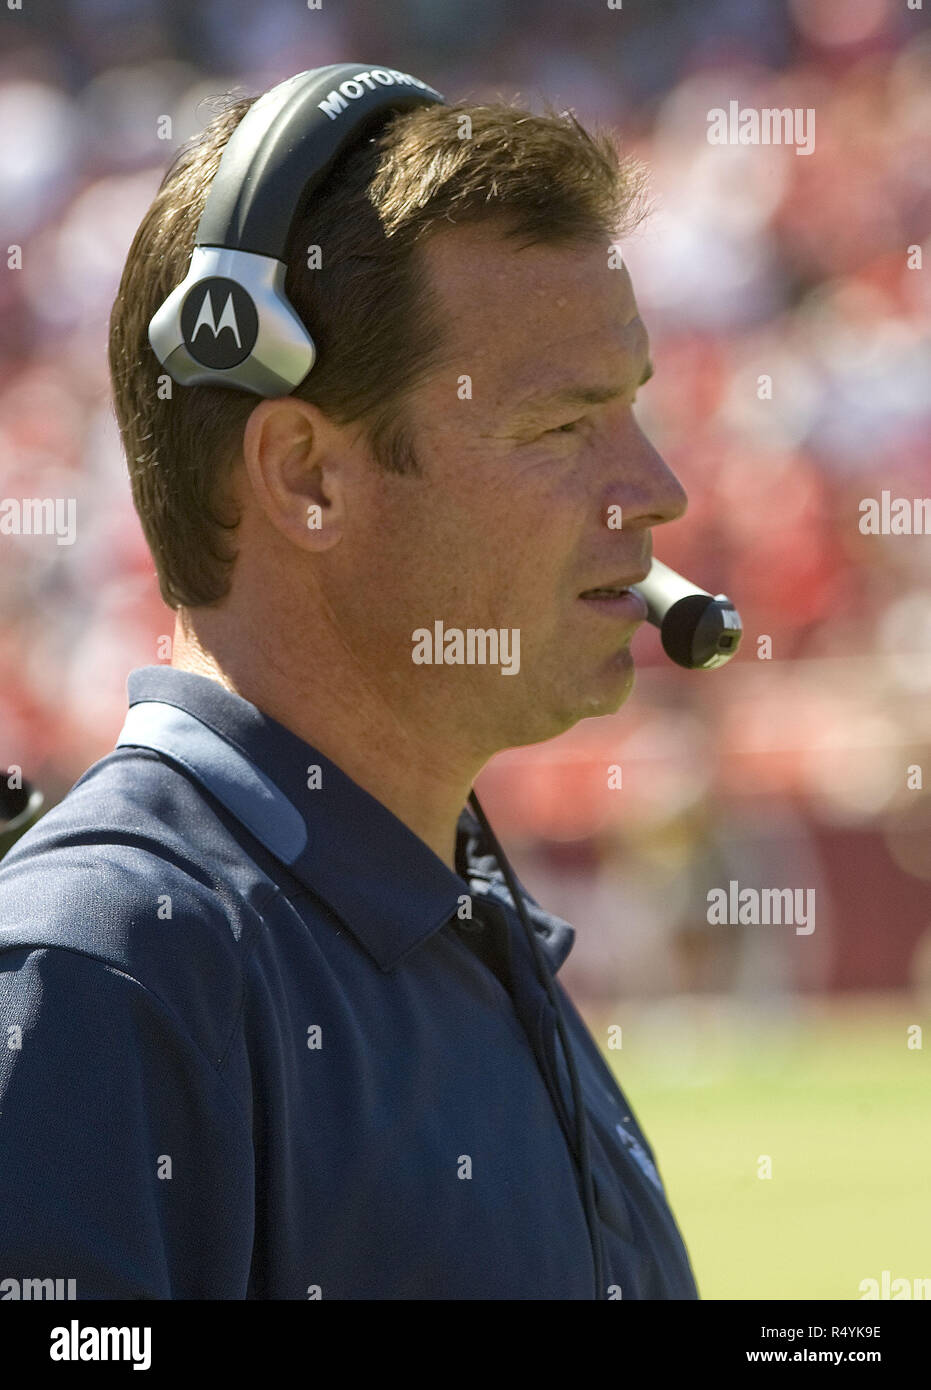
(297, 469)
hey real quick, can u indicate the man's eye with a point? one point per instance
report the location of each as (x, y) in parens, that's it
(568, 428)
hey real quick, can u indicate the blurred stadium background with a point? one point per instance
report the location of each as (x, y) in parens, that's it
(737, 1042)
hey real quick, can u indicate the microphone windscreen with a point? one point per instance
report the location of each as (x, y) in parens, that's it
(680, 625)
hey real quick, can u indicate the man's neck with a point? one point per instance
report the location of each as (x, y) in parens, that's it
(410, 775)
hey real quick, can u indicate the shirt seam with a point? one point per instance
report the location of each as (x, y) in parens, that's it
(256, 932)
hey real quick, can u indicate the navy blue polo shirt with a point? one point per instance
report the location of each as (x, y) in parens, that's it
(254, 1047)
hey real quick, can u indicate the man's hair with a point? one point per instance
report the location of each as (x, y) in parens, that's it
(373, 317)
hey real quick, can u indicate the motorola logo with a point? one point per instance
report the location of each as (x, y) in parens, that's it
(219, 323)
(335, 103)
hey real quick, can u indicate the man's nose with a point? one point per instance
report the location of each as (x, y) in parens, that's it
(642, 483)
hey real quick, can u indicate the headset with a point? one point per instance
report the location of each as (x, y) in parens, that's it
(229, 323)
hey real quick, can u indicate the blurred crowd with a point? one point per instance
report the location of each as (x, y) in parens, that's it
(788, 299)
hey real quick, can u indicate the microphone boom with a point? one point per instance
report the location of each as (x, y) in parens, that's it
(699, 630)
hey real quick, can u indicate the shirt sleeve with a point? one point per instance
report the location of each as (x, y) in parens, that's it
(126, 1160)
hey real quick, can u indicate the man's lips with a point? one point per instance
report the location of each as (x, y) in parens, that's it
(617, 583)
(621, 603)
(617, 598)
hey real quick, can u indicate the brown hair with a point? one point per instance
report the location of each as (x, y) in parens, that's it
(371, 314)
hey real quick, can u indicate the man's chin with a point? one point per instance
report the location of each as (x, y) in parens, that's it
(603, 695)
(614, 692)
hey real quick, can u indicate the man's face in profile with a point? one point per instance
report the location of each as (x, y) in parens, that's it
(509, 525)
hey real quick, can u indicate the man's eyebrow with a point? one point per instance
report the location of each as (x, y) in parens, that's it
(573, 396)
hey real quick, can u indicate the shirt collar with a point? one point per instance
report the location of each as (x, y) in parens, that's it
(384, 883)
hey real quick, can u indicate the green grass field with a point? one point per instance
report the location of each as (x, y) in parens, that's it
(831, 1093)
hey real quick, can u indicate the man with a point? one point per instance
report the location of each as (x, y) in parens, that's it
(276, 1027)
